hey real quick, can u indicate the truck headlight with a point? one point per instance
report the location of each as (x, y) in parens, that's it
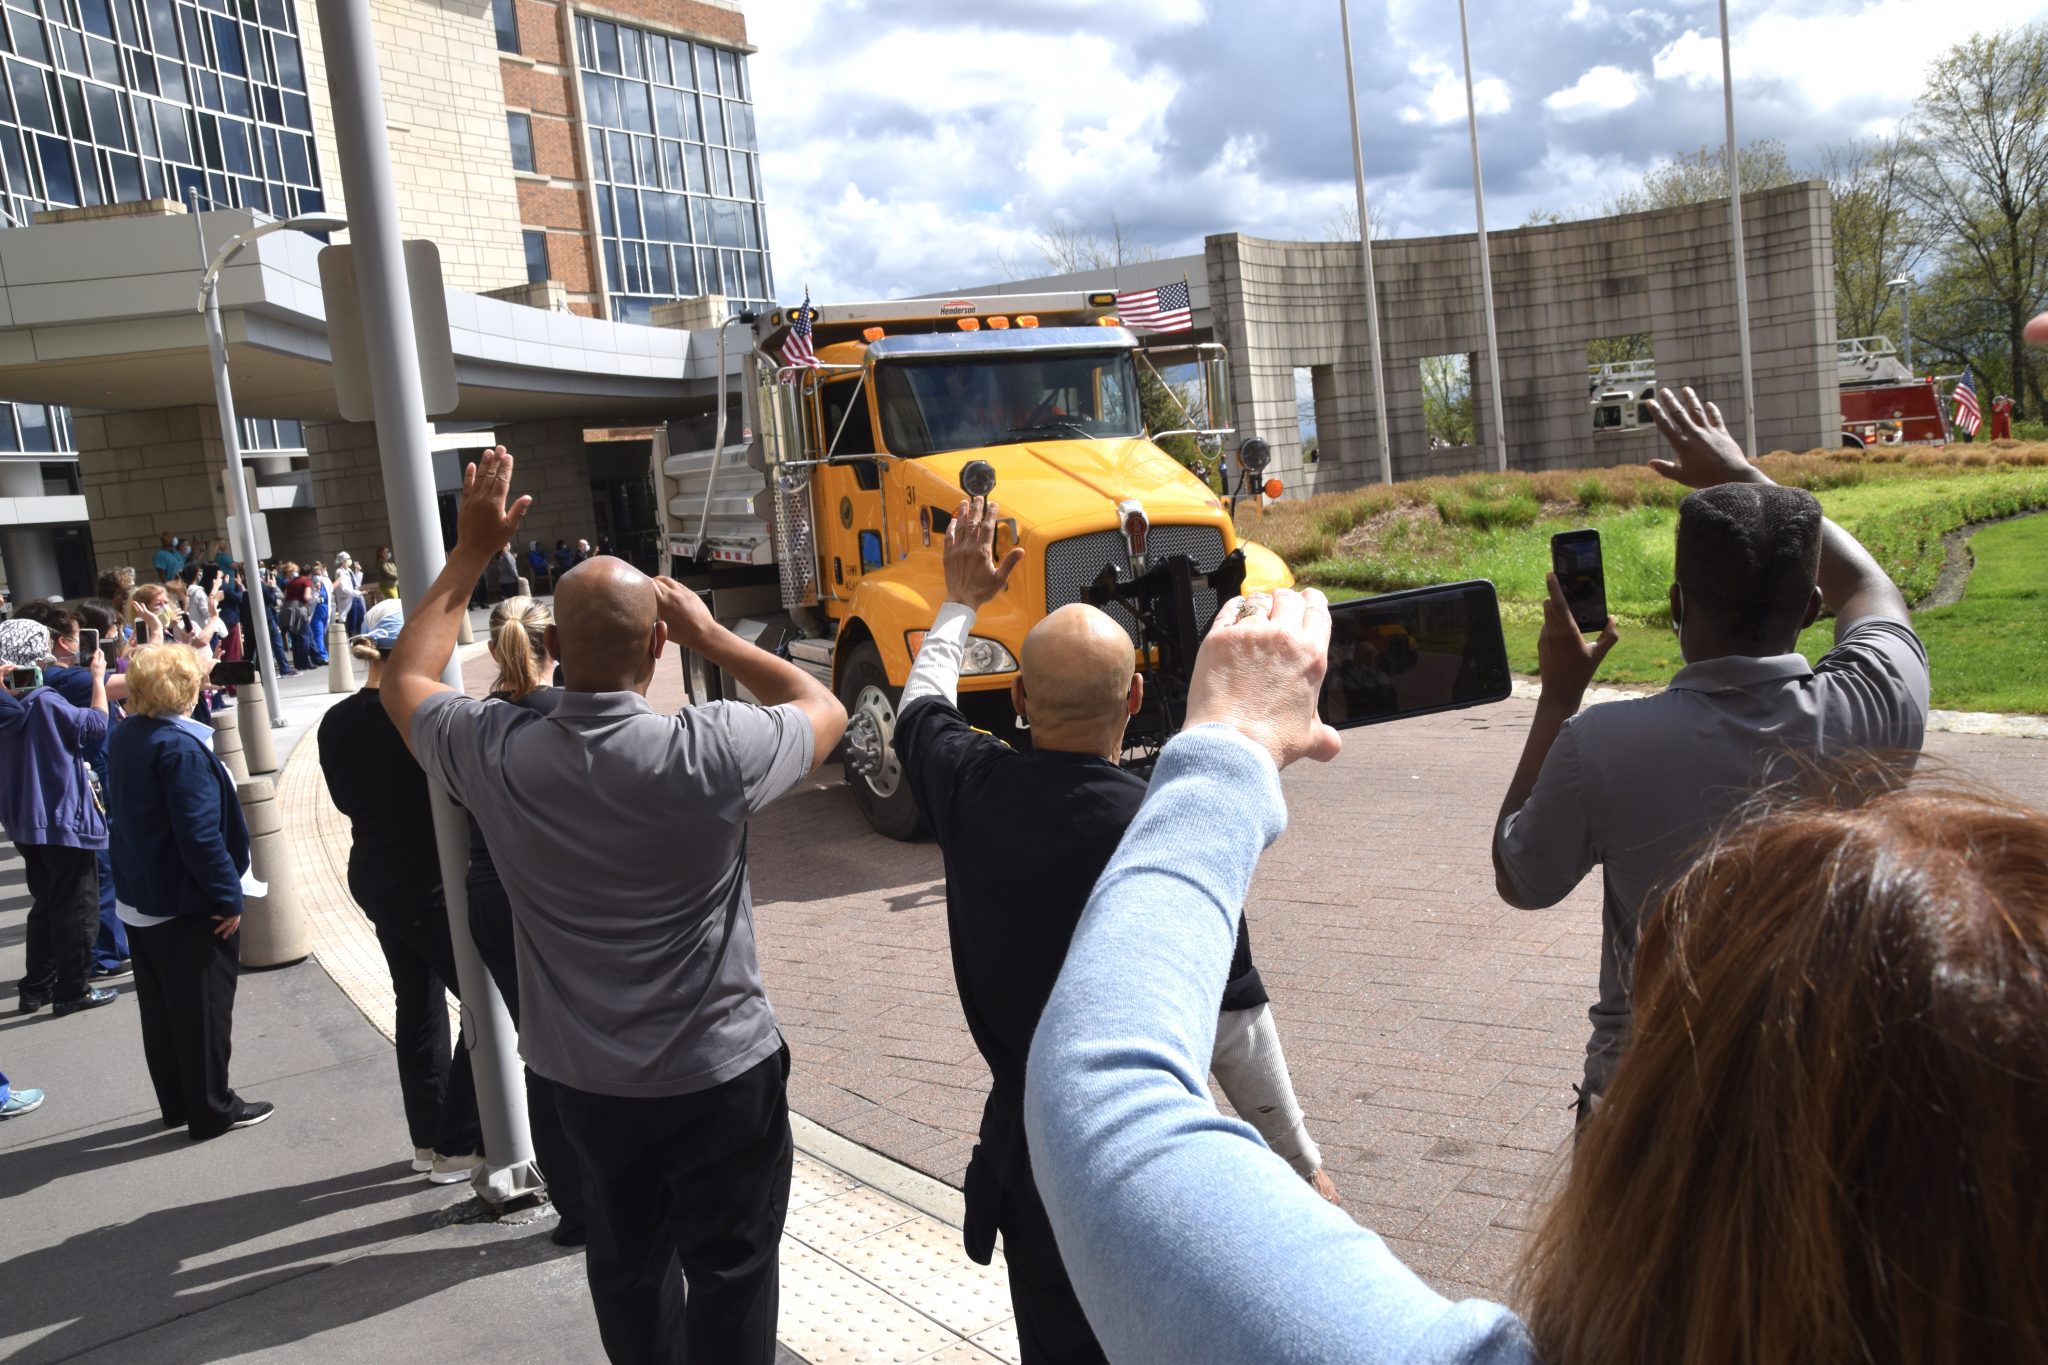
(982, 656)
(986, 656)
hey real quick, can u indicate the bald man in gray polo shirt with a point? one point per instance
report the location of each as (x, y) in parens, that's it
(633, 921)
(1638, 786)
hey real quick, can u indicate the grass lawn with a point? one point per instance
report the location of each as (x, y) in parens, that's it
(1989, 652)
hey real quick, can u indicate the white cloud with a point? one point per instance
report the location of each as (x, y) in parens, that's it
(1602, 90)
(1444, 102)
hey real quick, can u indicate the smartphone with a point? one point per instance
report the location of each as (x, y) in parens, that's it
(24, 679)
(1575, 558)
(88, 641)
(112, 649)
(240, 673)
(1411, 653)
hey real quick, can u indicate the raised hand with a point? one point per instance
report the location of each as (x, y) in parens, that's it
(1565, 660)
(973, 578)
(688, 620)
(1260, 670)
(483, 521)
(1707, 451)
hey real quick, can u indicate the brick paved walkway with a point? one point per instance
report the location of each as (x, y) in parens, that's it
(1434, 1033)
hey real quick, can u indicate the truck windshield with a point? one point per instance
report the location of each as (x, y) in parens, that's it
(958, 404)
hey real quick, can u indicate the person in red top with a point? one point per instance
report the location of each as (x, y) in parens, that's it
(2001, 417)
(298, 615)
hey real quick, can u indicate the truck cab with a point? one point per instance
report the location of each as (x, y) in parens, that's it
(857, 463)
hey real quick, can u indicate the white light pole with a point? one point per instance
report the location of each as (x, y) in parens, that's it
(1905, 282)
(1735, 227)
(253, 615)
(1372, 293)
(1500, 427)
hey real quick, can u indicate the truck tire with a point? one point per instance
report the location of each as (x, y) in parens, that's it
(872, 768)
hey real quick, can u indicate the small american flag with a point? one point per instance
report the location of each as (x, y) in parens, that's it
(1165, 309)
(1965, 398)
(797, 349)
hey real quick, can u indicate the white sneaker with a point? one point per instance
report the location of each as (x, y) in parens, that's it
(423, 1159)
(453, 1170)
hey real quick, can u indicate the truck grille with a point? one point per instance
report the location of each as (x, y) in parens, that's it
(1072, 564)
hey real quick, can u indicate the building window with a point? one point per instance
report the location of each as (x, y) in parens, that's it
(149, 99)
(505, 17)
(536, 256)
(674, 168)
(519, 127)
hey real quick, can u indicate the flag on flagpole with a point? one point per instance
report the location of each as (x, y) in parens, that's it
(797, 350)
(1965, 398)
(1165, 309)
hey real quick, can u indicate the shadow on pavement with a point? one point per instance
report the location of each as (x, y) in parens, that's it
(168, 1258)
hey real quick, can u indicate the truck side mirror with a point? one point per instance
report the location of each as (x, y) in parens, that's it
(978, 478)
(1215, 365)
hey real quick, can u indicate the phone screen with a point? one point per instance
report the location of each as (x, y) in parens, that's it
(1575, 558)
(88, 641)
(239, 673)
(1410, 653)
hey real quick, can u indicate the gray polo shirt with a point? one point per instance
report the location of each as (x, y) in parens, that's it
(620, 836)
(1637, 786)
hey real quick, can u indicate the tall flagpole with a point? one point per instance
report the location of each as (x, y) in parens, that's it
(1735, 228)
(1372, 293)
(1500, 426)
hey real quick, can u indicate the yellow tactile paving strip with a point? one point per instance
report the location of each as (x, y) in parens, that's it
(865, 1278)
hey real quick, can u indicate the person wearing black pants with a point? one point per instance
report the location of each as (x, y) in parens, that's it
(519, 647)
(394, 875)
(64, 917)
(697, 1183)
(180, 848)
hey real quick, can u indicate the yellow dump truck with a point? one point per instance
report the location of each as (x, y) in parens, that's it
(811, 508)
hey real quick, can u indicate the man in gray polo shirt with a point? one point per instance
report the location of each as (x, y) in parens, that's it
(1637, 786)
(641, 995)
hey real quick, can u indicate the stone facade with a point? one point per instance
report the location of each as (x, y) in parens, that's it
(1669, 274)
(554, 467)
(149, 472)
(444, 115)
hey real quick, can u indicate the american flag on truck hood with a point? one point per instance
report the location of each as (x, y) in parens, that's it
(1165, 309)
(796, 350)
(1965, 397)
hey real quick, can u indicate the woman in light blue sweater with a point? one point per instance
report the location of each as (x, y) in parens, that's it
(1821, 1147)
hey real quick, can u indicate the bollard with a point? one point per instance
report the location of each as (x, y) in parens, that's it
(227, 745)
(467, 635)
(274, 930)
(252, 719)
(525, 587)
(341, 668)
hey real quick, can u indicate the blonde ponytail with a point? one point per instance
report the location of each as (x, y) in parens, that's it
(519, 641)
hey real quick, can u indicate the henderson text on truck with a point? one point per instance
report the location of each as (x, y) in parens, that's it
(811, 508)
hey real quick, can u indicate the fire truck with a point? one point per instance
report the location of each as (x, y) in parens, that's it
(1883, 402)
(810, 509)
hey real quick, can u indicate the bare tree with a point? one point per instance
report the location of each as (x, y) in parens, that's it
(1698, 176)
(1059, 246)
(1877, 238)
(1977, 174)
(1342, 226)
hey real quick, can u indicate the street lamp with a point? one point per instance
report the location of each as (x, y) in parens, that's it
(231, 437)
(1905, 282)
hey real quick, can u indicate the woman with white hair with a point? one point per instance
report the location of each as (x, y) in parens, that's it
(180, 848)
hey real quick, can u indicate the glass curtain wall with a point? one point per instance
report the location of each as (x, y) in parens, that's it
(675, 168)
(110, 101)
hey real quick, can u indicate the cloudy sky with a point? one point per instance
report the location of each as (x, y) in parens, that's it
(914, 145)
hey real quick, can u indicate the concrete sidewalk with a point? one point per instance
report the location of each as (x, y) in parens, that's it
(309, 1239)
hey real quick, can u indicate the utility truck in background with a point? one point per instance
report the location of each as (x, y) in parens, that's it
(811, 508)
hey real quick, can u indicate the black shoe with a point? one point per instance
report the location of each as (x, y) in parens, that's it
(92, 999)
(252, 1113)
(29, 1004)
(125, 967)
(569, 1233)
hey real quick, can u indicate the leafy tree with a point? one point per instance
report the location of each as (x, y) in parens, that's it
(1447, 400)
(1877, 237)
(1977, 176)
(1696, 177)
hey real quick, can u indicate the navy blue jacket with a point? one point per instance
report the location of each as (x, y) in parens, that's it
(179, 842)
